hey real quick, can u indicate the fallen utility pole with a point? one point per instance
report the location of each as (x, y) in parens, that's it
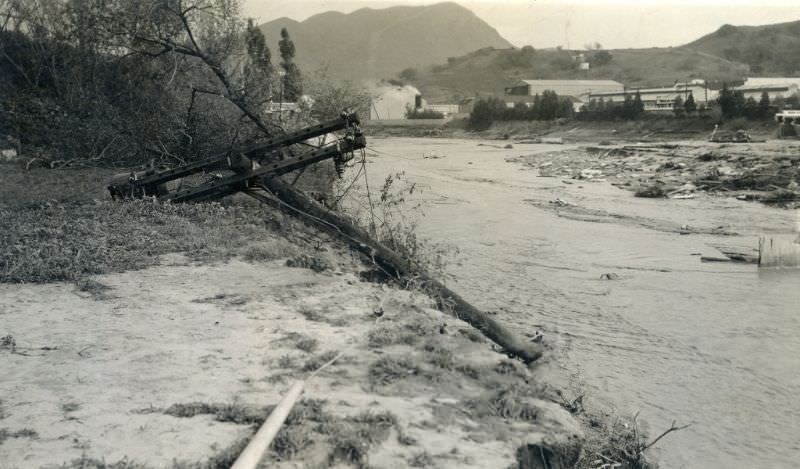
(258, 167)
(399, 268)
(247, 164)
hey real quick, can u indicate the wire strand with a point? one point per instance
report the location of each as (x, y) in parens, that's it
(352, 183)
(395, 276)
(369, 196)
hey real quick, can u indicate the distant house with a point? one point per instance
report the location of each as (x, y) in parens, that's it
(660, 99)
(392, 102)
(574, 88)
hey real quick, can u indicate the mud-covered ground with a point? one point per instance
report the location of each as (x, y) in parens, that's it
(148, 335)
(768, 172)
(178, 361)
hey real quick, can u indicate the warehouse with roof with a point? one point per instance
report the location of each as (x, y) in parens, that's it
(660, 99)
(574, 88)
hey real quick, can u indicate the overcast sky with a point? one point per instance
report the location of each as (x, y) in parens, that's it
(574, 23)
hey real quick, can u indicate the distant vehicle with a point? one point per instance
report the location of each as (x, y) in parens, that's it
(727, 136)
(788, 123)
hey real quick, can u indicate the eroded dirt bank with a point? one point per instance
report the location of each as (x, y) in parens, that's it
(177, 362)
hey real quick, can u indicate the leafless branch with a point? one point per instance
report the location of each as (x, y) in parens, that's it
(672, 428)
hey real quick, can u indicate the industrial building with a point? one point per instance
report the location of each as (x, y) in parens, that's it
(773, 90)
(574, 88)
(775, 87)
(660, 99)
(772, 81)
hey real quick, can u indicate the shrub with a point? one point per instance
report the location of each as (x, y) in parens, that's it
(423, 114)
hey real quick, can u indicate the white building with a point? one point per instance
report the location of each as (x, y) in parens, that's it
(392, 102)
(660, 99)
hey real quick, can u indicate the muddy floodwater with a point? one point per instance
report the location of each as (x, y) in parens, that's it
(716, 345)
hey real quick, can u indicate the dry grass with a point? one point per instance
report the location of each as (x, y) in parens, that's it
(387, 370)
(95, 289)
(233, 413)
(616, 441)
(439, 356)
(220, 460)
(421, 459)
(315, 263)
(314, 363)
(60, 225)
(508, 403)
(384, 336)
(24, 433)
(321, 314)
(352, 437)
(50, 243)
(300, 341)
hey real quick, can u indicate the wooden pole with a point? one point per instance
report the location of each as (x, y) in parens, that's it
(397, 266)
(255, 450)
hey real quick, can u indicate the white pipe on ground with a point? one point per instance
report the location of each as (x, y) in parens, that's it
(255, 450)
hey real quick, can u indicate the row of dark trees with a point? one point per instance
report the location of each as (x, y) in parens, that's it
(550, 106)
(124, 82)
(631, 108)
(731, 103)
(547, 106)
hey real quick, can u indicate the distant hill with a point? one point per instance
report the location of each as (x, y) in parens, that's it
(767, 50)
(370, 43)
(489, 71)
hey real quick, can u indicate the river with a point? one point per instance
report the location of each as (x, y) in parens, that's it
(716, 345)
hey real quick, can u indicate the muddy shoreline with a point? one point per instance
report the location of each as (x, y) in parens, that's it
(159, 336)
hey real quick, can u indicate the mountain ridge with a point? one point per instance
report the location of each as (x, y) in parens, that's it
(378, 43)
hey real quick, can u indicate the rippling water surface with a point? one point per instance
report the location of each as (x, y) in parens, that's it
(714, 344)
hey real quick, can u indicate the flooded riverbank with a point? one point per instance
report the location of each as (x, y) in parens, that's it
(670, 337)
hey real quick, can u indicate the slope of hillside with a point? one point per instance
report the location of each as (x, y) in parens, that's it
(371, 43)
(768, 50)
(488, 71)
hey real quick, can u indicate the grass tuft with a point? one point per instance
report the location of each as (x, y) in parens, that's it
(439, 356)
(315, 362)
(510, 403)
(388, 370)
(95, 289)
(421, 459)
(233, 413)
(384, 336)
(353, 437)
(24, 433)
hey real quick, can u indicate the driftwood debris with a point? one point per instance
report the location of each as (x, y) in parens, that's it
(399, 267)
